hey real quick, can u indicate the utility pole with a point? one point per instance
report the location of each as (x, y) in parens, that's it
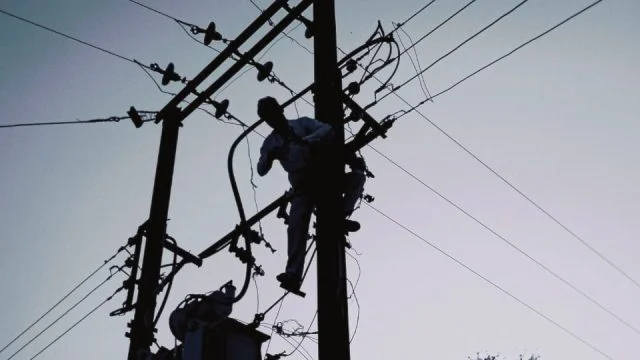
(333, 312)
(142, 327)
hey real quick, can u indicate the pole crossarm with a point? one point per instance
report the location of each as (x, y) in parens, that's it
(224, 55)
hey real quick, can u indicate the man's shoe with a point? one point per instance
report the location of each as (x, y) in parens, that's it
(351, 226)
(290, 283)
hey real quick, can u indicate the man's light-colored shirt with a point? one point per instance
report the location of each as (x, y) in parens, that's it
(293, 155)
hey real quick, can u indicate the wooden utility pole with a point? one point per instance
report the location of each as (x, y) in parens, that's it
(333, 312)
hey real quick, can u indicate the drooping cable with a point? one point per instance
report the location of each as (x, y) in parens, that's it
(403, 23)
(104, 263)
(574, 15)
(451, 17)
(303, 336)
(66, 36)
(416, 66)
(355, 297)
(281, 299)
(498, 287)
(510, 243)
(457, 47)
(77, 323)
(174, 263)
(119, 269)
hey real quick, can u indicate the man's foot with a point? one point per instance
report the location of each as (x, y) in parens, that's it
(351, 226)
(290, 283)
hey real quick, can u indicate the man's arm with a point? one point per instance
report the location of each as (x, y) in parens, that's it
(266, 157)
(316, 130)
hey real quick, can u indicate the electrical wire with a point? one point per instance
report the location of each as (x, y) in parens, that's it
(104, 263)
(586, 296)
(92, 121)
(281, 299)
(77, 323)
(285, 34)
(510, 243)
(515, 50)
(401, 24)
(304, 336)
(423, 37)
(272, 78)
(288, 341)
(66, 312)
(359, 270)
(506, 181)
(416, 66)
(255, 282)
(180, 23)
(170, 284)
(355, 297)
(66, 36)
(498, 287)
(457, 47)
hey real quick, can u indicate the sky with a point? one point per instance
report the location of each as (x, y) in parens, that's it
(557, 119)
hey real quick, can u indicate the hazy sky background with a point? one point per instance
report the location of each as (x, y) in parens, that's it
(559, 119)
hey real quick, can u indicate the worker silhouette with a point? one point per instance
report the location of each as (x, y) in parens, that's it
(297, 144)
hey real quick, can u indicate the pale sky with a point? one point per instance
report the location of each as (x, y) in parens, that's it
(558, 119)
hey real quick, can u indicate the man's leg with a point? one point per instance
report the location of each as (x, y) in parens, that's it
(353, 188)
(299, 217)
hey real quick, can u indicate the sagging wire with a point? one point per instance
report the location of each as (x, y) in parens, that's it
(193, 29)
(355, 259)
(306, 354)
(255, 282)
(403, 23)
(303, 336)
(518, 48)
(416, 66)
(355, 297)
(457, 47)
(170, 283)
(482, 68)
(111, 274)
(258, 318)
(78, 322)
(104, 263)
(214, 35)
(490, 282)
(254, 187)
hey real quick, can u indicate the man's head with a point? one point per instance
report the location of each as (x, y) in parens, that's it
(271, 112)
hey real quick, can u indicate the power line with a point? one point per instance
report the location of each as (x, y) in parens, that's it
(304, 336)
(67, 36)
(355, 297)
(518, 48)
(64, 314)
(401, 24)
(416, 65)
(107, 261)
(508, 242)
(285, 34)
(511, 185)
(92, 121)
(464, 7)
(77, 323)
(491, 24)
(501, 289)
